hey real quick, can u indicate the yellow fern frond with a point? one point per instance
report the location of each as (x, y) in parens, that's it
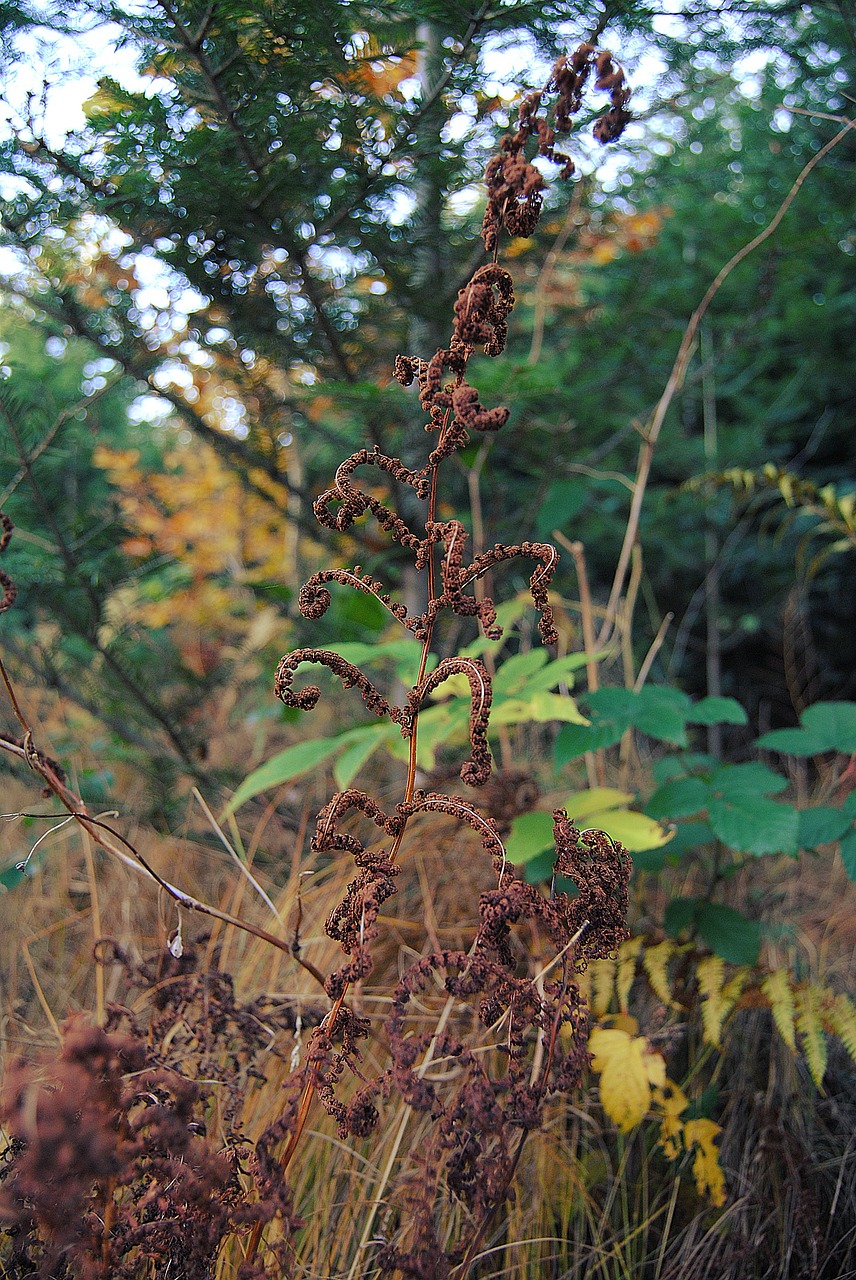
(840, 1019)
(810, 1027)
(655, 962)
(710, 973)
(777, 988)
(733, 989)
(602, 983)
(628, 953)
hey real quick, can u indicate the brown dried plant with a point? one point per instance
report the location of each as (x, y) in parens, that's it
(510, 1028)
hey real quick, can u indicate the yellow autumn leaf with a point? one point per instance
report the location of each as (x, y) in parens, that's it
(707, 1171)
(672, 1101)
(628, 1068)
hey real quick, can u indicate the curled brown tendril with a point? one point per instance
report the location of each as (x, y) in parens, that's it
(327, 834)
(476, 770)
(314, 599)
(351, 677)
(514, 184)
(354, 502)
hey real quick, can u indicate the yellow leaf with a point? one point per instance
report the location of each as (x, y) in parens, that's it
(710, 972)
(811, 1030)
(635, 831)
(596, 799)
(628, 953)
(777, 988)
(655, 962)
(672, 1100)
(620, 1022)
(625, 1085)
(841, 1020)
(707, 1171)
(602, 979)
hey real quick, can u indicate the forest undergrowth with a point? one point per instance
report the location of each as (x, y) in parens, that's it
(377, 1041)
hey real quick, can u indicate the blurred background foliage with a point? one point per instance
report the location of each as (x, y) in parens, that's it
(209, 268)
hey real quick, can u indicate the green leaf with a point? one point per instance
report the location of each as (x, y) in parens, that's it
(849, 806)
(685, 763)
(354, 757)
(531, 834)
(821, 826)
(515, 673)
(827, 726)
(728, 932)
(17, 873)
(678, 799)
(756, 825)
(792, 742)
(718, 711)
(848, 853)
(835, 722)
(284, 766)
(679, 915)
(650, 860)
(398, 650)
(563, 501)
(689, 837)
(745, 781)
(555, 672)
(662, 713)
(574, 740)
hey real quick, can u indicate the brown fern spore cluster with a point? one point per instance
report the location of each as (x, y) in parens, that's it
(514, 184)
(533, 1025)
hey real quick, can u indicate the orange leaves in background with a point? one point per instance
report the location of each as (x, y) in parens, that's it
(209, 535)
(633, 232)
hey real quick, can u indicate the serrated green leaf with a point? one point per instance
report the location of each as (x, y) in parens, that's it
(664, 723)
(687, 762)
(728, 933)
(614, 704)
(689, 837)
(755, 825)
(662, 712)
(848, 853)
(746, 781)
(821, 825)
(678, 799)
(715, 710)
